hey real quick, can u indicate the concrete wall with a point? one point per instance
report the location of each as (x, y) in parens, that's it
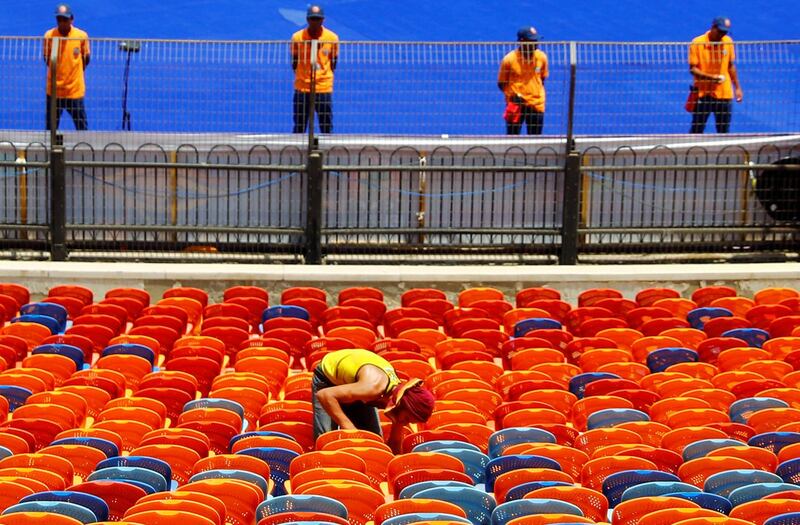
(394, 280)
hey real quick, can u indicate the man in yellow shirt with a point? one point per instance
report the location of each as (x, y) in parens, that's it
(73, 57)
(521, 79)
(349, 385)
(712, 64)
(320, 70)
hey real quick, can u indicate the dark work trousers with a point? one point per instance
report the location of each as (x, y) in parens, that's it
(363, 416)
(533, 120)
(74, 107)
(323, 103)
(721, 108)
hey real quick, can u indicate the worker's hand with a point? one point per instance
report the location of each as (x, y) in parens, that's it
(516, 99)
(739, 94)
(347, 425)
(719, 79)
(396, 443)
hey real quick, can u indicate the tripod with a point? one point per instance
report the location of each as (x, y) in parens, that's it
(130, 47)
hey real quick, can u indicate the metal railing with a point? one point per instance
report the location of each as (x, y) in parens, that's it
(209, 172)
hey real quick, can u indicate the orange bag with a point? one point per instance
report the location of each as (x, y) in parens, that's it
(513, 113)
(691, 100)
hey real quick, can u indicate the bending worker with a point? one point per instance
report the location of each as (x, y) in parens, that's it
(350, 385)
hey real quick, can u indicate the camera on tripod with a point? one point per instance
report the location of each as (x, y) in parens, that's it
(130, 46)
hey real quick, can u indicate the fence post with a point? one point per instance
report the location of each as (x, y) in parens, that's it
(570, 206)
(52, 100)
(58, 202)
(573, 67)
(313, 244)
(312, 95)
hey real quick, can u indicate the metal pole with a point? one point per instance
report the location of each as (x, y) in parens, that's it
(58, 202)
(312, 96)
(569, 221)
(313, 244)
(573, 67)
(126, 116)
(568, 254)
(53, 102)
(23, 191)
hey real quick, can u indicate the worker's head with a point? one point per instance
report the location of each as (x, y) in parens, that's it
(720, 27)
(64, 18)
(315, 16)
(410, 403)
(528, 38)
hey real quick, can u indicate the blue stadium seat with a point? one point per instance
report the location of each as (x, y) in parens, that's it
(612, 417)
(412, 490)
(208, 402)
(252, 433)
(536, 323)
(742, 409)
(156, 465)
(663, 358)
(72, 510)
(508, 511)
(790, 518)
(241, 475)
(474, 462)
(147, 479)
(757, 491)
(301, 503)
(577, 384)
(698, 317)
(15, 395)
(754, 337)
(73, 352)
(285, 310)
(723, 483)
(656, 488)
(521, 490)
(53, 310)
(44, 320)
(438, 444)
(4, 453)
(504, 464)
(130, 349)
(774, 441)
(614, 486)
(309, 523)
(423, 517)
(502, 439)
(708, 501)
(98, 507)
(278, 460)
(702, 448)
(789, 471)
(477, 504)
(103, 445)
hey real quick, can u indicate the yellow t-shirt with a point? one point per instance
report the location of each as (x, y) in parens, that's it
(525, 77)
(327, 52)
(713, 58)
(69, 70)
(341, 367)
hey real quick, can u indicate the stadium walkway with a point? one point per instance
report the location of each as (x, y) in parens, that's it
(393, 280)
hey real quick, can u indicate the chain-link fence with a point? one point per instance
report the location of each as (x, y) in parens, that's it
(190, 154)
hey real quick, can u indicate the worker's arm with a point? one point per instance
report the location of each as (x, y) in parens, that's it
(294, 51)
(699, 74)
(369, 387)
(395, 440)
(737, 89)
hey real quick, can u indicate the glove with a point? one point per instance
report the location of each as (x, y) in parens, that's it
(516, 99)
